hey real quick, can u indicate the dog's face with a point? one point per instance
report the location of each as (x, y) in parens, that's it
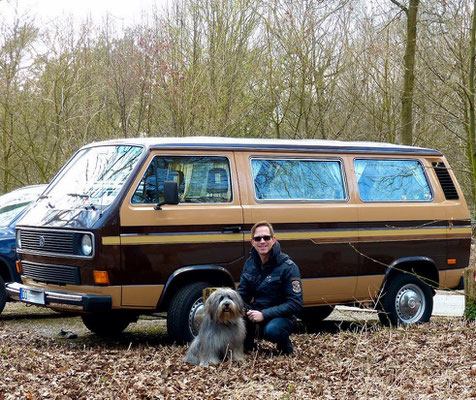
(224, 305)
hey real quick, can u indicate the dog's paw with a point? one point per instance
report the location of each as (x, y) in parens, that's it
(209, 362)
(237, 357)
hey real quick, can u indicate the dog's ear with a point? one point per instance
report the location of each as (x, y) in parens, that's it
(210, 304)
(238, 300)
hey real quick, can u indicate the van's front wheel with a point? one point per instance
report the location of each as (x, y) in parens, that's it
(406, 300)
(186, 312)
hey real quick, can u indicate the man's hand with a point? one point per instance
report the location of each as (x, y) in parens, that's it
(255, 316)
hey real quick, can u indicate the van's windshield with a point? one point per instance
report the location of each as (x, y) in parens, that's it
(94, 177)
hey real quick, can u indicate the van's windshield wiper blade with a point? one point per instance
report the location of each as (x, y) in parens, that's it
(83, 196)
(46, 196)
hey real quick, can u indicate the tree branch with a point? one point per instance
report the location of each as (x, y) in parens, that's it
(397, 3)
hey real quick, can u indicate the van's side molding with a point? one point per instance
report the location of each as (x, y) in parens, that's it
(317, 236)
(168, 238)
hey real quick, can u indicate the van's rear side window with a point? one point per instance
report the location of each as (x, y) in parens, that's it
(392, 180)
(200, 179)
(312, 180)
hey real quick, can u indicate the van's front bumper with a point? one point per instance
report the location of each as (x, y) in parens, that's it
(58, 299)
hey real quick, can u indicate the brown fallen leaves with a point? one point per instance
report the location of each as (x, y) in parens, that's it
(432, 361)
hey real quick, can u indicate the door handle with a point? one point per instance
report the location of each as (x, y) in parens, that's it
(231, 229)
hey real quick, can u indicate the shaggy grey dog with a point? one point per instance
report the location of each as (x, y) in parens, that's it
(223, 330)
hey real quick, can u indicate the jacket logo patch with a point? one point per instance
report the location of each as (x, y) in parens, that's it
(296, 286)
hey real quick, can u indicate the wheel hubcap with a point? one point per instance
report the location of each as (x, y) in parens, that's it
(410, 303)
(195, 317)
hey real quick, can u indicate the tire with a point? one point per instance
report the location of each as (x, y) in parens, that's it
(313, 316)
(108, 324)
(185, 312)
(406, 300)
(3, 294)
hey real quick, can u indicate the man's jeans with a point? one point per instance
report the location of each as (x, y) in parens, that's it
(276, 330)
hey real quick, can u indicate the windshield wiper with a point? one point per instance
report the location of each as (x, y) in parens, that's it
(83, 196)
(45, 196)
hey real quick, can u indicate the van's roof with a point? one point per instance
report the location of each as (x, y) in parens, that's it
(227, 143)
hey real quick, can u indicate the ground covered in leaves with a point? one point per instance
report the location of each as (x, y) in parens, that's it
(343, 360)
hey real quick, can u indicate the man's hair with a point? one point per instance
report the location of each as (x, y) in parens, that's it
(262, 223)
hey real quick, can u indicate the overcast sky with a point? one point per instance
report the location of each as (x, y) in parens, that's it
(125, 11)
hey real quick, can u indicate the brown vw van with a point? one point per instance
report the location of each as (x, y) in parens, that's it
(138, 226)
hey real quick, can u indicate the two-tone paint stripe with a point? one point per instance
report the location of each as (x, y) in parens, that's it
(316, 236)
(175, 238)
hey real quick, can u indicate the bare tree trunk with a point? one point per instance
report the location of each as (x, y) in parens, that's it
(471, 127)
(406, 131)
(470, 292)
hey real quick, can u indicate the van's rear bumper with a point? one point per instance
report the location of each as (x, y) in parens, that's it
(61, 300)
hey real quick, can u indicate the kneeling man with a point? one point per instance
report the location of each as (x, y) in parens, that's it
(270, 286)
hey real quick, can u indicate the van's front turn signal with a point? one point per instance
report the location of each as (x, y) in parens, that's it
(101, 277)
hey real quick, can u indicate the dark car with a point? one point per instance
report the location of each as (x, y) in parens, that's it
(12, 207)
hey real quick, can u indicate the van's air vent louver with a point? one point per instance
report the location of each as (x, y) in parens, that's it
(445, 181)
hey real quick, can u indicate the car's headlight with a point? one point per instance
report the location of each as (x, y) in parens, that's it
(86, 245)
(18, 239)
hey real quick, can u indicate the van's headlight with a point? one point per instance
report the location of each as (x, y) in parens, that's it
(86, 245)
(18, 244)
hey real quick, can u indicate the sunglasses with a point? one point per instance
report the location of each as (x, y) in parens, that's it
(266, 238)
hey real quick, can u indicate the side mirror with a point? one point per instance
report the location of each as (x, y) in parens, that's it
(170, 194)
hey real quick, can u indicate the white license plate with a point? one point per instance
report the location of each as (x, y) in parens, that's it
(32, 296)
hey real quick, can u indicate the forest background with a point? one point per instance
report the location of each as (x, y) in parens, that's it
(297, 69)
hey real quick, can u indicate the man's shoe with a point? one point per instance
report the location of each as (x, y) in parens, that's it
(285, 347)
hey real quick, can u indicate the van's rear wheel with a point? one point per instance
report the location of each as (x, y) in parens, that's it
(3, 294)
(108, 324)
(186, 312)
(406, 300)
(313, 316)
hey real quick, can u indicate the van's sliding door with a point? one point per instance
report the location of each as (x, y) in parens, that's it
(307, 201)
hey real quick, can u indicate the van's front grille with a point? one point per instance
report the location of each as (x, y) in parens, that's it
(59, 242)
(59, 274)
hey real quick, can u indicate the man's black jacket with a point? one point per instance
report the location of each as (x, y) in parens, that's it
(273, 288)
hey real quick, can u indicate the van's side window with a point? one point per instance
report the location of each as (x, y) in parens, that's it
(314, 180)
(392, 180)
(200, 179)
